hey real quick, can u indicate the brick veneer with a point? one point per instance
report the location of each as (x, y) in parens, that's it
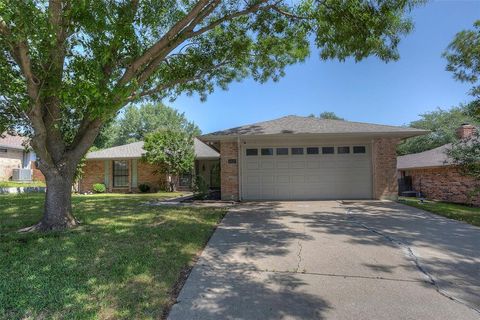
(384, 161)
(229, 171)
(148, 173)
(94, 172)
(37, 175)
(443, 183)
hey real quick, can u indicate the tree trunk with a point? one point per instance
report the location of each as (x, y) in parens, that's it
(57, 214)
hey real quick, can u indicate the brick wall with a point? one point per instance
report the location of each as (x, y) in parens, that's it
(12, 159)
(229, 171)
(37, 175)
(94, 172)
(444, 184)
(384, 163)
(147, 173)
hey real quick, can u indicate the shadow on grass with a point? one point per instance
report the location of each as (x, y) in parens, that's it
(120, 263)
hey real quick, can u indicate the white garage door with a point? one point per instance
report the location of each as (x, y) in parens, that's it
(304, 173)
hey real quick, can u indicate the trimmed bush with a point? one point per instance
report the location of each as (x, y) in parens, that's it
(144, 187)
(99, 188)
(200, 188)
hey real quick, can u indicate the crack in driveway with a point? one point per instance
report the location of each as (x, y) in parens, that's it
(413, 257)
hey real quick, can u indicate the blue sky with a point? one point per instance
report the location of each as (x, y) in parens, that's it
(368, 91)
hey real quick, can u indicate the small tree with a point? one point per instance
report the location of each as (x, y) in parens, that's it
(329, 115)
(172, 151)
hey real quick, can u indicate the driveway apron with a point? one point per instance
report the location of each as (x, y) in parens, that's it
(334, 260)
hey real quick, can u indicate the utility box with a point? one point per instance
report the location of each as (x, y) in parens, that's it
(22, 175)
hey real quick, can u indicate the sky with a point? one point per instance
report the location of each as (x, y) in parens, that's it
(393, 93)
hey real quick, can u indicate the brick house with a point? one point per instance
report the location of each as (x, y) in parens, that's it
(432, 174)
(303, 158)
(15, 154)
(122, 169)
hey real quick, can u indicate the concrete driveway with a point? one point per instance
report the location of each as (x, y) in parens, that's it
(335, 260)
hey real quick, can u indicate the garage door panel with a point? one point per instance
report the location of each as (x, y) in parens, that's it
(267, 164)
(297, 177)
(297, 164)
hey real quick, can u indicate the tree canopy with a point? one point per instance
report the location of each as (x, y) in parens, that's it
(68, 67)
(463, 57)
(173, 152)
(442, 123)
(136, 122)
(327, 115)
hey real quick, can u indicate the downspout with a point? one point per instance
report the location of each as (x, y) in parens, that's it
(239, 168)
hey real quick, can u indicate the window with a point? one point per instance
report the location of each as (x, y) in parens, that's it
(343, 150)
(282, 151)
(252, 152)
(328, 150)
(359, 149)
(120, 173)
(3, 150)
(267, 151)
(312, 150)
(297, 150)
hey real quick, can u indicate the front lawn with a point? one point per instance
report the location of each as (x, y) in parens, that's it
(16, 184)
(121, 263)
(449, 210)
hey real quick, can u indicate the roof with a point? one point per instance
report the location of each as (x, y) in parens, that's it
(431, 158)
(311, 125)
(12, 141)
(135, 150)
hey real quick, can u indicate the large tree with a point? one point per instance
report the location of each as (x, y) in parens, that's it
(442, 123)
(67, 67)
(138, 121)
(463, 56)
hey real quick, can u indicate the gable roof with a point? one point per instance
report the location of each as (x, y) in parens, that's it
(431, 158)
(311, 125)
(135, 151)
(12, 141)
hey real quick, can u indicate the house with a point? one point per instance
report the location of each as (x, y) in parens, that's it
(303, 158)
(15, 154)
(432, 173)
(122, 169)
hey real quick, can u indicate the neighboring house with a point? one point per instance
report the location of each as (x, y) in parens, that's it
(432, 174)
(15, 154)
(303, 158)
(122, 169)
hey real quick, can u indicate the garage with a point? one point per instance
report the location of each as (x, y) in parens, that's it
(305, 172)
(309, 158)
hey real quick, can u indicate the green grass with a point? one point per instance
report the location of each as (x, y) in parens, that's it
(15, 184)
(121, 263)
(455, 211)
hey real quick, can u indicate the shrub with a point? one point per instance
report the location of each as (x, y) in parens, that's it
(200, 188)
(99, 188)
(143, 187)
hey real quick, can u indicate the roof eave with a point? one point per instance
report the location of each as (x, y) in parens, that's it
(400, 134)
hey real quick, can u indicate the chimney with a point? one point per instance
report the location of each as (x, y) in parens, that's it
(465, 131)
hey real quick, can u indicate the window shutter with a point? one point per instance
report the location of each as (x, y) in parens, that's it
(134, 173)
(106, 178)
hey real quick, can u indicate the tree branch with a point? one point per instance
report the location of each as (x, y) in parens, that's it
(161, 44)
(175, 82)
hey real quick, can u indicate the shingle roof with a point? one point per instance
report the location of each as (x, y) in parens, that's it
(431, 158)
(12, 141)
(311, 125)
(135, 150)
